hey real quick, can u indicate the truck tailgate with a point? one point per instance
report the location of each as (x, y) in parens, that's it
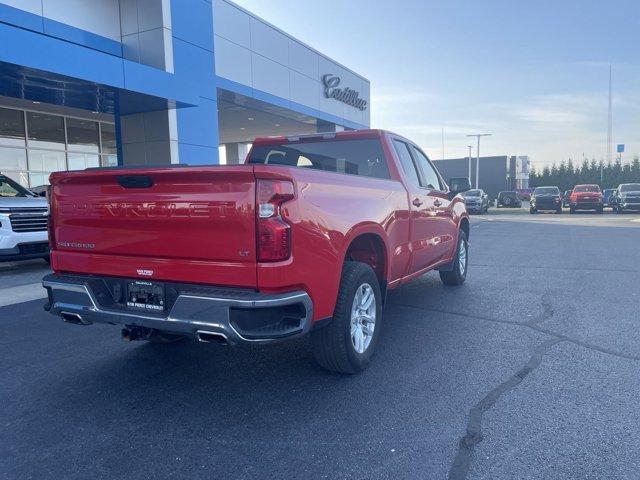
(193, 224)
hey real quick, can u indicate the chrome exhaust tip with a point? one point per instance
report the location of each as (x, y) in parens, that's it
(74, 318)
(211, 337)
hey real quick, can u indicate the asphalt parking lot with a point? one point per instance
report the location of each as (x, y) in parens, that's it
(529, 370)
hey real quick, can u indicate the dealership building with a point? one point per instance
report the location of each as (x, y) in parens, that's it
(89, 83)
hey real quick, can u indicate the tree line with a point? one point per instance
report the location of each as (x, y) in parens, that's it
(566, 175)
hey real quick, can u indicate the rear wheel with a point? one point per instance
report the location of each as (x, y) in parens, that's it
(347, 344)
(532, 211)
(559, 211)
(458, 274)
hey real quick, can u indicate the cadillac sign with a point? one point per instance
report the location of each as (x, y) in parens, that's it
(346, 95)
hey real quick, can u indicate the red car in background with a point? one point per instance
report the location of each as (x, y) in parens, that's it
(586, 197)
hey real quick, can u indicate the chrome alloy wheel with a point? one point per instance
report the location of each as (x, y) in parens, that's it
(363, 317)
(462, 257)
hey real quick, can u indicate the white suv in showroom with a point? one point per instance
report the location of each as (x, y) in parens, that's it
(23, 223)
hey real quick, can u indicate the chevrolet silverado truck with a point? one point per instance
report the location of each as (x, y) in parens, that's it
(307, 236)
(23, 223)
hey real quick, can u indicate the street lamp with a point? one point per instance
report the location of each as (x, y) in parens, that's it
(469, 147)
(478, 135)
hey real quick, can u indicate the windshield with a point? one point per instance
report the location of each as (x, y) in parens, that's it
(546, 191)
(630, 187)
(9, 188)
(587, 188)
(473, 193)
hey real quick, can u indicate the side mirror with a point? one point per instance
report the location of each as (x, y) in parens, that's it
(459, 185)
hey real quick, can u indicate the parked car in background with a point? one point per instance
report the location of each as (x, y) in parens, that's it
(476, 201)
(606, 197)
(23, 223)
(546, 198)
(508, 200)
(565, 198)
(524, 194)
(586, 197)
(306, 237)
(626, 197)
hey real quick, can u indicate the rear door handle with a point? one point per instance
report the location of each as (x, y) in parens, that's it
(437, 203)
(417, 202)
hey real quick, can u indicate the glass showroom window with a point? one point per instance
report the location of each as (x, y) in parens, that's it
(35, 144)
(46, 146)
(109, 148)
(13, 154)
(83, 144)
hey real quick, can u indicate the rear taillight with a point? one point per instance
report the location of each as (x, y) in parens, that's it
(274, 234)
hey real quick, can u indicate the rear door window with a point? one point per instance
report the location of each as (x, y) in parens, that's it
(363, 157)
(430, 178)
(409, 168)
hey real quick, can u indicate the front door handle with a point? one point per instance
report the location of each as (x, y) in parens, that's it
(437, 203)
(417, 202)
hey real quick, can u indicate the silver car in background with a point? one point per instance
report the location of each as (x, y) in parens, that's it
(476, 201)
(23, 223)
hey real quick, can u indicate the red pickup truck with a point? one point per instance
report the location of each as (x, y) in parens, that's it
(586, 197)
(307, 236)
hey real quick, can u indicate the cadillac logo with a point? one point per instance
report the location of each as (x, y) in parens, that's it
(346, 95)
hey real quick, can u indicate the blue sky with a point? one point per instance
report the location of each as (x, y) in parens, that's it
(534, 74)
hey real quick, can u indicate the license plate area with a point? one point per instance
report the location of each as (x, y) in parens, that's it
(147, 296)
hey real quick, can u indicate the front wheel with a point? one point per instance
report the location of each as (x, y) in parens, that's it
(347, 344)
(458, 274)
(532, 211)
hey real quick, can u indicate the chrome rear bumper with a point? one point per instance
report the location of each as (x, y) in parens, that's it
(239, 316)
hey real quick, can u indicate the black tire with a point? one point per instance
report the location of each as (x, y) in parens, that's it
(333, 347)
(532, 211)
(456, 276)
(559, 211)
(572, 210)
(600, 210)
(161, 338)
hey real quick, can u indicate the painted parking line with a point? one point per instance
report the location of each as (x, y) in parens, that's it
(22, 293)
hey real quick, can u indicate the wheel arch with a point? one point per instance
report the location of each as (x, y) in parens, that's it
(368, 245)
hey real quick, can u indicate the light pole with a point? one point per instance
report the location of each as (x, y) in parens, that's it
(469, 147)
(478, 135)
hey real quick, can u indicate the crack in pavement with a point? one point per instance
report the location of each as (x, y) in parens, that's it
(462, 462)
(545, 331)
